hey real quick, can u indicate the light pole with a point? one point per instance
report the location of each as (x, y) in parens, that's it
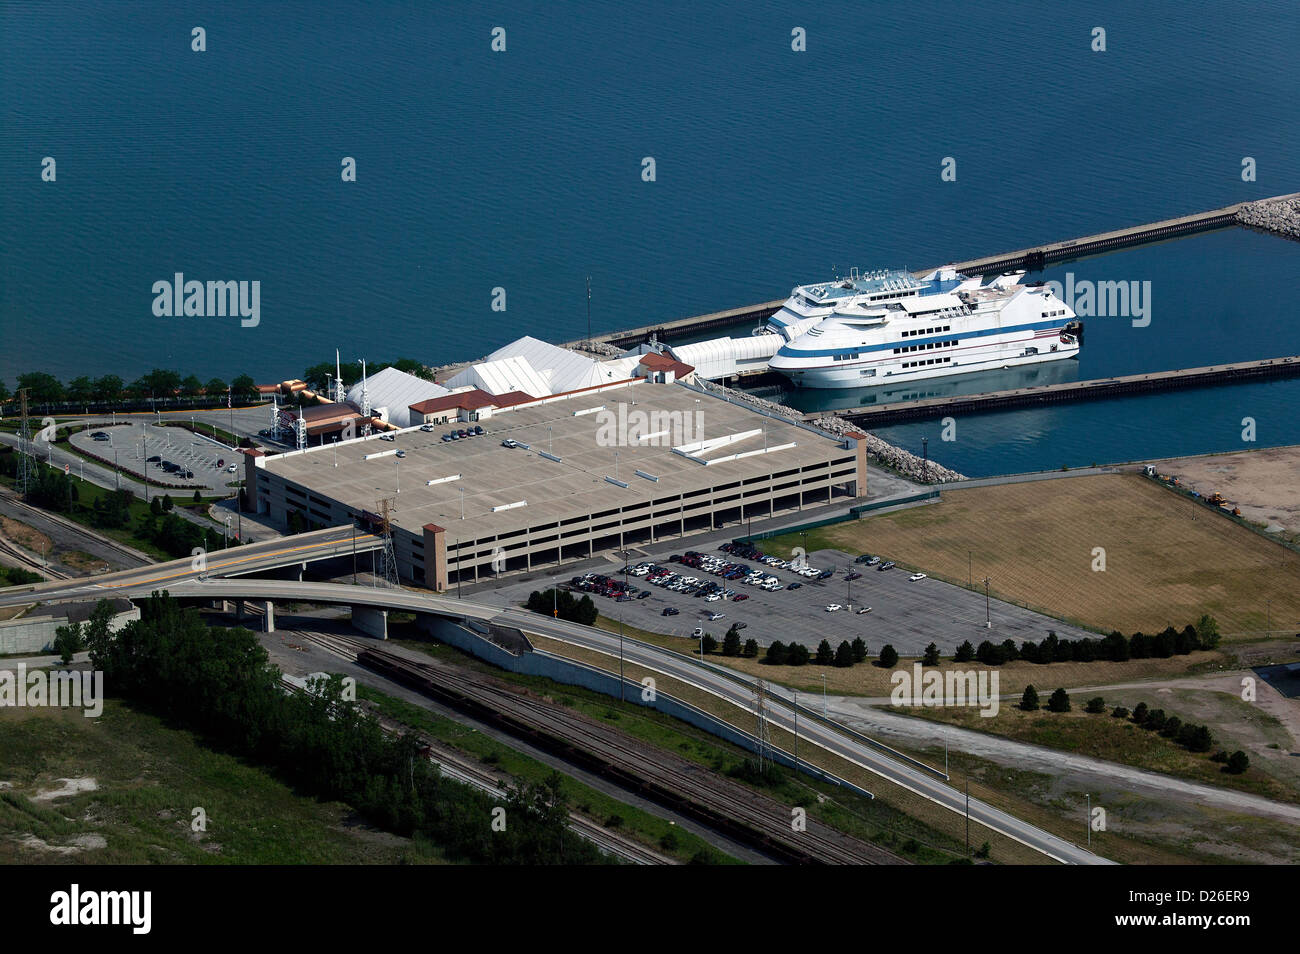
(225, 533)
(462, 503)
(796, 729)
(1088, 796)
(117, 474)
(823, 694)
(988, 619)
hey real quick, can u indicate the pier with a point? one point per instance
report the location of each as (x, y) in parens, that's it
(1248, 214)
(1069, 391)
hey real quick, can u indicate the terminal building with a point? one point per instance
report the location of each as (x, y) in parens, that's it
(604, 467)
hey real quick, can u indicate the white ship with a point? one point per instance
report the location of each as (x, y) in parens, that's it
(887, 327)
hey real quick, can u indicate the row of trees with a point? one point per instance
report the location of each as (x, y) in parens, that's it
(847, 654)
(319, 376)
(564, 605)
(1192, 737)
(1116, 647)
(45, 388)
(220, 684)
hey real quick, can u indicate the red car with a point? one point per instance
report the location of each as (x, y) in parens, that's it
(739, 597)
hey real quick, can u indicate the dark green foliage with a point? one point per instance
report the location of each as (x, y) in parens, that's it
(989, 654)
(931, 657)
(888, 656)
(799, 655)
(965, 652)
(1238, 762)
(574, 610)
(825, 655)
(731, 642)
(859, 650)
(844, 655)
(14, 576)
(1140, 713)
(1059, 701)
(777, 654)
(1029, 699)
(751, 649)
(1096, 705)
(1119, 712)
(219, 684)
(68, 640)
(709, 644)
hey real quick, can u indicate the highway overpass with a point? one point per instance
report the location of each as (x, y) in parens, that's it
(370, 606)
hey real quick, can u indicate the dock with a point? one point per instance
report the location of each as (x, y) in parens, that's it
(1093, 389)
(1030, 259)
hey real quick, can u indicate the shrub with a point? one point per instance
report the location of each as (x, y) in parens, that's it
(777, 654)
(825, 655)
(888, 656)
(1238, 762)
(1059, 701)
(931, 657)
(965, 652)
(844, 655)
(751, 648)
(859, 650)
(1119, 712)
(1029, 701)
(1095, 705)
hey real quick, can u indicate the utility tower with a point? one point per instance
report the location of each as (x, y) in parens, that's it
(764, 737)
(300, 431)
(25, 474)
(388, 563)
(365, 402)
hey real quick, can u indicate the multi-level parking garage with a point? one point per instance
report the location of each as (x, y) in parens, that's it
(599, 469)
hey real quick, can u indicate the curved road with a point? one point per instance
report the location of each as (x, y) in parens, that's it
(737, 689)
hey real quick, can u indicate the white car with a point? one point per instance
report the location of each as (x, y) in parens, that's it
(916, 576)
(834, 607)
(697, 632)
(864, 611)
(232, 468)
(714, 617)
(712, 598)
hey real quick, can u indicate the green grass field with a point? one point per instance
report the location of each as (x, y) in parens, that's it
(150, 778)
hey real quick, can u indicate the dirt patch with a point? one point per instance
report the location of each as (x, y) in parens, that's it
(82, 562)
(28, 537)
(1264, 483)
(76, 844)
(70, 786)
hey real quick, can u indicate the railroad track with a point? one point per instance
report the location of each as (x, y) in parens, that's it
(685, 786)
(16, 552)
(453, 766)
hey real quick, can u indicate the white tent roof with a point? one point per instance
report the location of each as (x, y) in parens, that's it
(721, 357)
(507, 374)
(397, 391)
(562, 369)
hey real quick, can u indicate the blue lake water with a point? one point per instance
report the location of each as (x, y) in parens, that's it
(522, 170)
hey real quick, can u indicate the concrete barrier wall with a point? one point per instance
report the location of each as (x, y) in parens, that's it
(572, 673)
(35, 634)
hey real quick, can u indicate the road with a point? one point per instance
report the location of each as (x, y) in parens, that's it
(734, 688)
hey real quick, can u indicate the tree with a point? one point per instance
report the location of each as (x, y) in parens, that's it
(1172, 727)
(1059, 701)
(42, 388)
(844, 655)
(825, 655)
(1009, 651)
(1207, 632)
(1139, 646)
(859, 650)
(156, 508)
(1029, 699)
(1199, 739)
(1096, 705)
(1155, 720)
(1238, 762)
(709, 644)
(751, 649)
(777, 654)
(109, 388)
(799, 655)
(168, 503)
(198, 496)
(1115, 647)
(4, 392)
(214, 387)
(731, 642)
(191, 386)
(1140, 713)
(1119, 712)
(888, 656)
(243, 386)
(81, 390)
(965, 652)
(68, 640)
(931, 657)
(157, 383)
(989, 654)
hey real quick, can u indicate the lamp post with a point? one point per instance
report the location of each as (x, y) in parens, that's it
(225, 533)
(1088, 820)
(823, 694)
(988, 619)
(796, 729)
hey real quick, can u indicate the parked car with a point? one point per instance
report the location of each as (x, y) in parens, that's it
(714, 617)
(387, 437)
(794, 586)
(853, 576)
(220, 461)
(462, 434)
(426, 427)
(916, 576)
(669, 611)
(446, 438)
(864, 558)
(697, 632)
(509, 442)
(864, 611)
(156, 459)
(740, 597)
(401, 453)
(186, 474)
(478, 430)
(834, 607)
(887, 565)
(742, 626)
(232, 468)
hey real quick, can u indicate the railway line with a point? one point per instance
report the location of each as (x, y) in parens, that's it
(684, 786)
(462, 770)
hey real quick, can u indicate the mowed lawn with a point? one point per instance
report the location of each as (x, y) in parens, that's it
(1167, 559)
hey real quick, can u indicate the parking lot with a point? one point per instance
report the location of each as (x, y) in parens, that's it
(132, 444)
(909, 615)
